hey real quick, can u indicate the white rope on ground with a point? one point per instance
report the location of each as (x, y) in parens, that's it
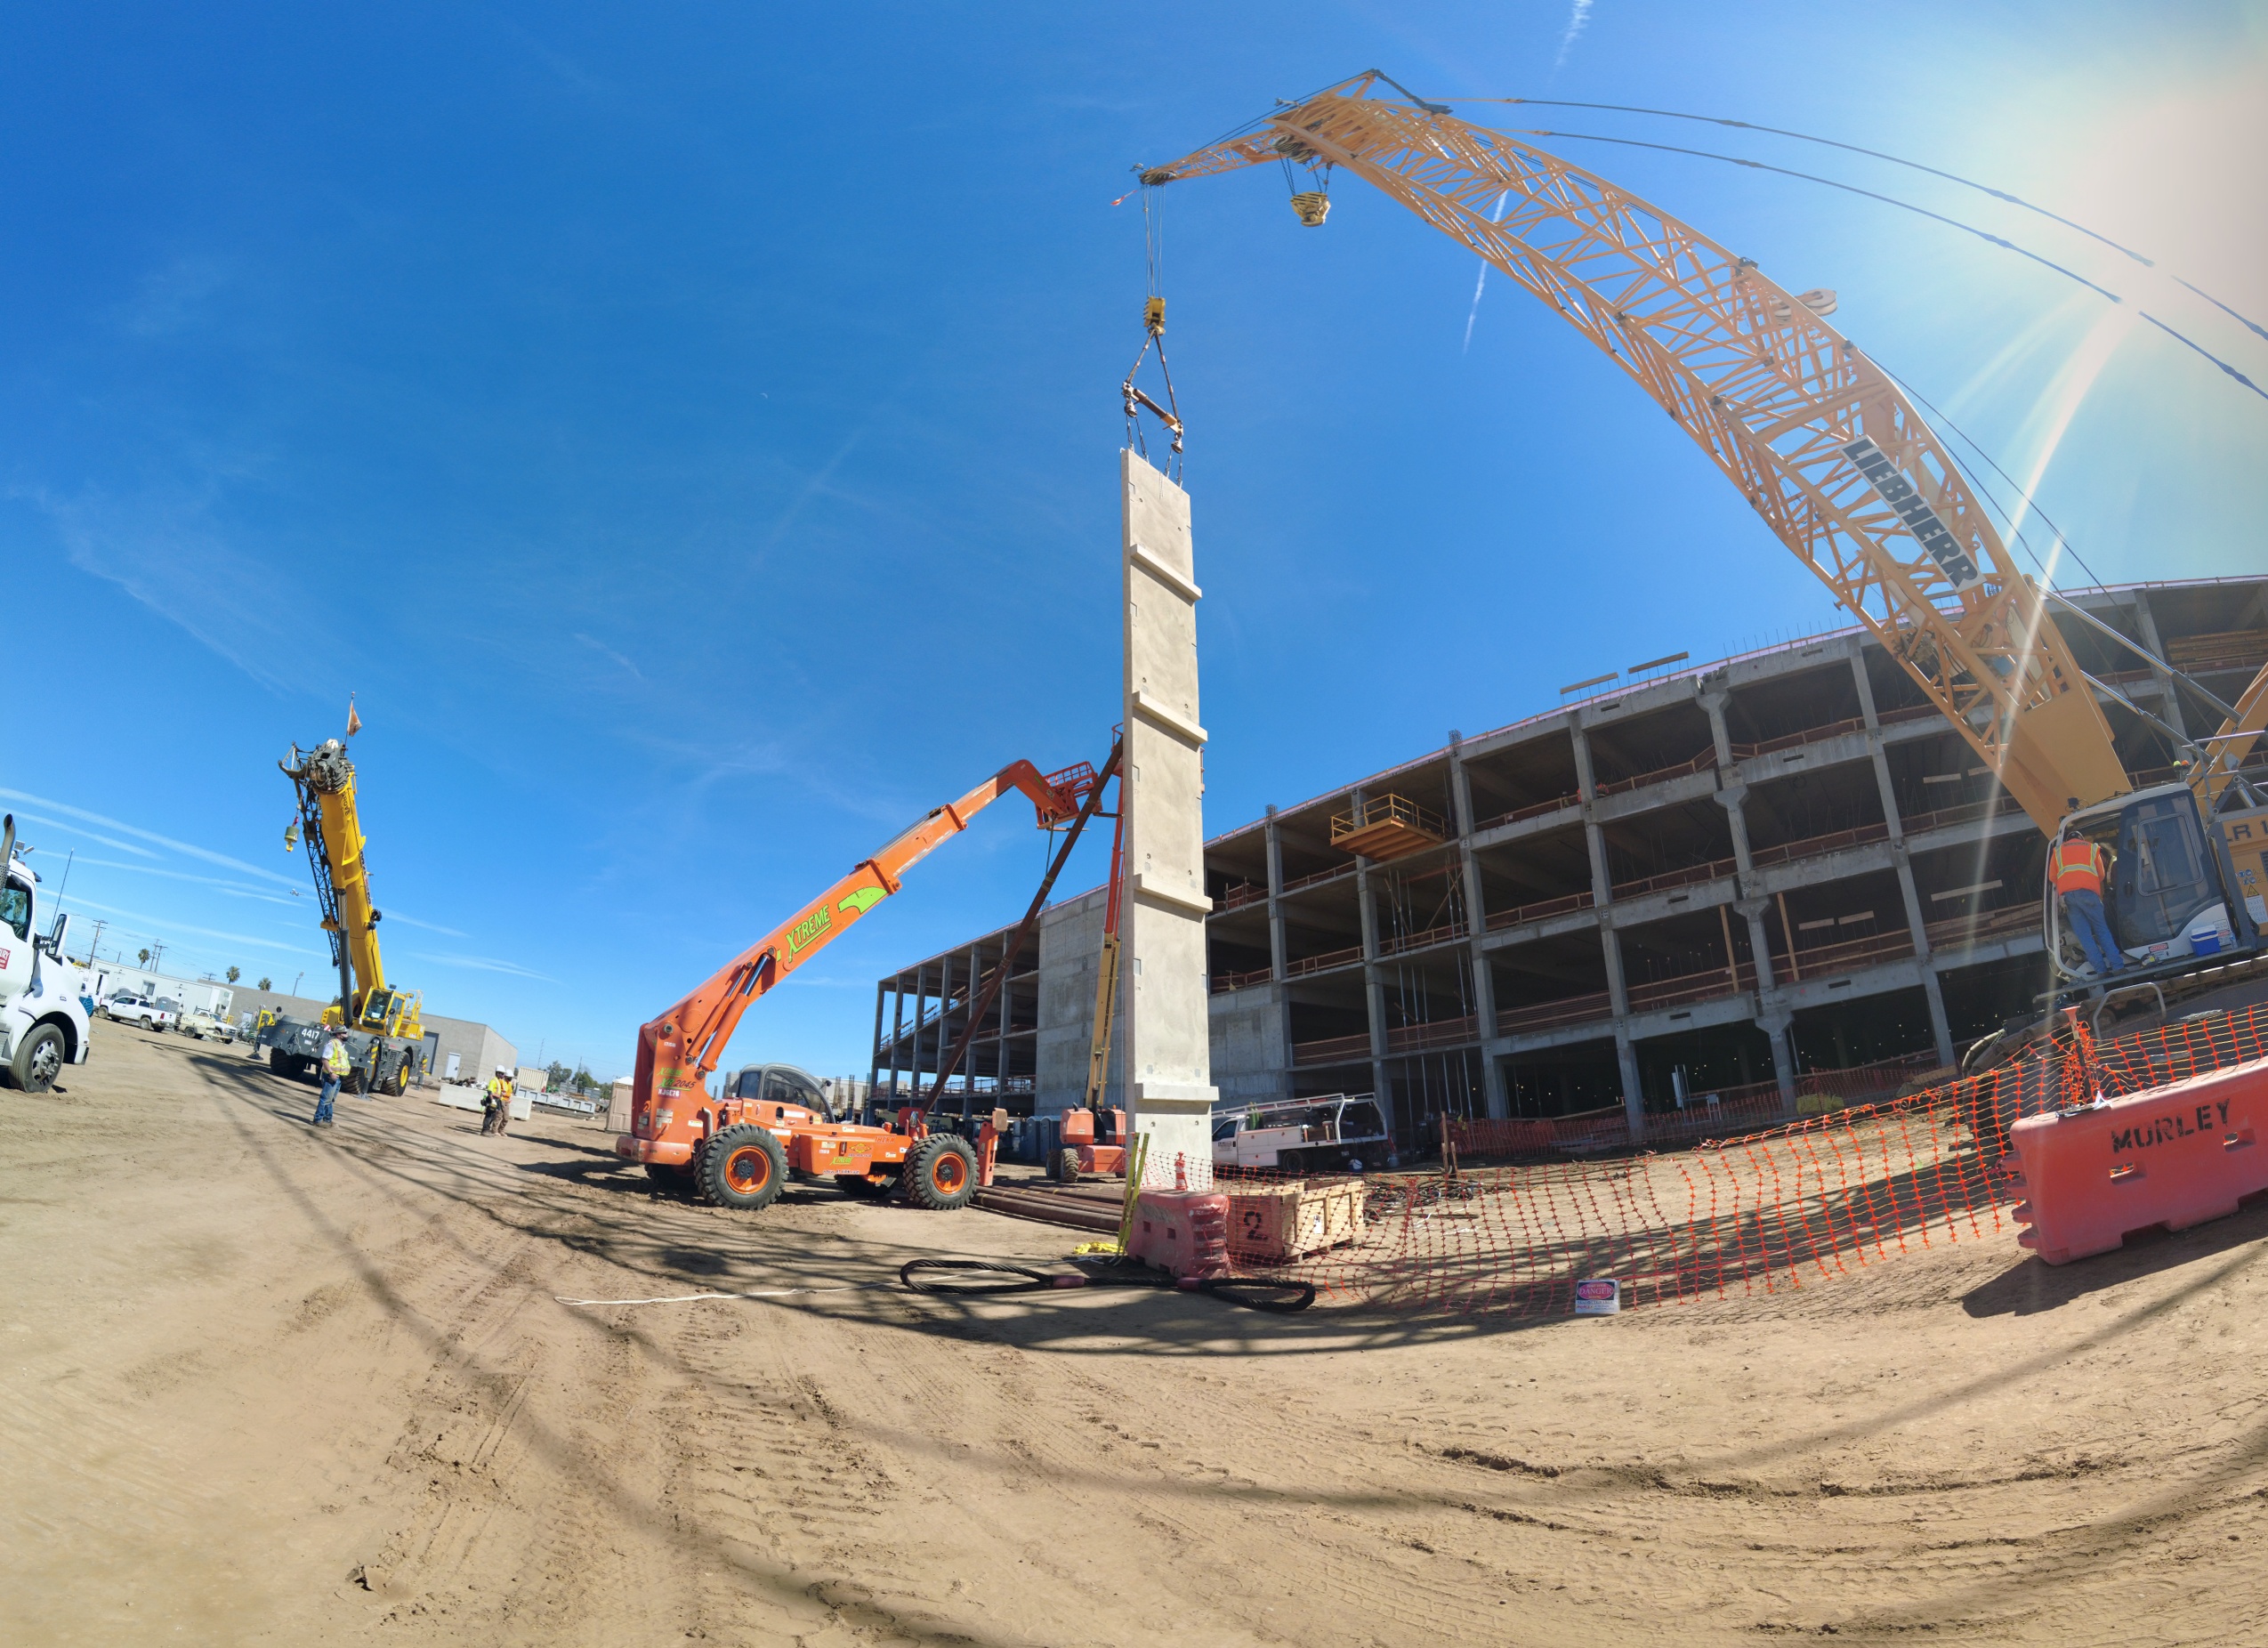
(688, 1298)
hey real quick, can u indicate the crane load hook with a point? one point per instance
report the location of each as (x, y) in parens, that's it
(1153, 326)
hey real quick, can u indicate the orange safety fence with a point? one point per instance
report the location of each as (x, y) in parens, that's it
(1781, 1209)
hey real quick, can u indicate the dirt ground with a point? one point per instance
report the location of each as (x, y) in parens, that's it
(266, 1383)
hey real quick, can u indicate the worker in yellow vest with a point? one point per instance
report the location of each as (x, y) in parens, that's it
(2081, 867)
(333, 1067)
(496, 1104)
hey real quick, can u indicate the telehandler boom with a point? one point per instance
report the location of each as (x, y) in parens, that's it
(734, 1148)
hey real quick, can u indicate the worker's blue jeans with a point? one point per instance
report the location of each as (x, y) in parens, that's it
(2092, 928)
(330, 1091)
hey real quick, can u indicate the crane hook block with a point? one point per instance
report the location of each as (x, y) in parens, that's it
(1153, 316)
(1313, 206)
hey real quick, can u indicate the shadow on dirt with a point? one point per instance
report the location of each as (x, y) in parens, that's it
(2033, 1287)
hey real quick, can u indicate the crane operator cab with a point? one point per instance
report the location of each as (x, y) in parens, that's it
(2169, 895)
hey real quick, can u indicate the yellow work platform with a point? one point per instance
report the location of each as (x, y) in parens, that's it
(1386, 828)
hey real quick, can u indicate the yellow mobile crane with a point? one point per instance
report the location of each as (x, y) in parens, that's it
(383, 1026)
(1827, 450)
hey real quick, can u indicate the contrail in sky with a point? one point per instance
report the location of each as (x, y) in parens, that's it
(1573, 32)
(1496, 216)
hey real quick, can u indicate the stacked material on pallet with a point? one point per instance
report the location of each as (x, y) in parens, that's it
(1096, 1207)
(1275, 1224)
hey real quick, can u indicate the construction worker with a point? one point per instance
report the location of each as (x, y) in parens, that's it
(333, 1065)
(2081, 867)
(495, 1103)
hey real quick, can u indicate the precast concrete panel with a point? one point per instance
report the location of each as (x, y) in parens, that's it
(1165, 1016)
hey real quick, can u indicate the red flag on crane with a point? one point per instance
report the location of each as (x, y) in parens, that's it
(353, 721)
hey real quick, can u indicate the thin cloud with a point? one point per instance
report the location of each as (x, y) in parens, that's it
(73, 829)
(164, 925)
(812, 488)
(487, 964)
(412, 921)
(235, 889)
(605, 651)
(166, 553)
(206, 853)
(1573, 32)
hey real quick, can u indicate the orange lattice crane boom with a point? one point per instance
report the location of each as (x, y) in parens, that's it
(1817, 438)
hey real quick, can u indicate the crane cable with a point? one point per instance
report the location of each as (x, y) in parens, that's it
(2063, 543)
(1153, 322)
(2030, 504)
(1923, 211)
(1912, 165)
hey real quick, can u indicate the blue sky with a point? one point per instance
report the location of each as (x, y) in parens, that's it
(691, 430)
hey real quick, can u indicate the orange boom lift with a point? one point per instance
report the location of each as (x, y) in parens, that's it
(738, 1152)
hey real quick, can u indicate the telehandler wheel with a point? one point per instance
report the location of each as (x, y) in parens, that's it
(38, 1060)
(1067, 1167)
(940, 1174)
(744, 1166)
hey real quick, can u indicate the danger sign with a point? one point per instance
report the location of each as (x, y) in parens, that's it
(1598, 1296)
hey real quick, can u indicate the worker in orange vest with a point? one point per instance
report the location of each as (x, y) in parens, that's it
(2080, 866)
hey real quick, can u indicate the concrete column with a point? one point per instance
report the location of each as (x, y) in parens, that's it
(1916, 924)
(1497, 1102)
(1278, 962)
(913, 1033)
(1165, 1018)
(874, 1063)
(969, 993)
(1730, 792)
(1000, 1033)
(2147, 622)
(944, 1014)
(1633, 1101)
(1777, 1026)
(1373, 983)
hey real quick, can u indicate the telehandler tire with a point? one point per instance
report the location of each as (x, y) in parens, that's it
(940, 1174)
(744, 1166)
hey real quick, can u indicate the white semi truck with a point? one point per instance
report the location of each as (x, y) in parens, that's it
(42, 1001)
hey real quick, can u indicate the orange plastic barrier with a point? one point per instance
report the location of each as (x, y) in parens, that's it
(2174, 1155)
(1183, 1231)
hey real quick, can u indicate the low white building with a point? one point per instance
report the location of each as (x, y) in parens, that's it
(110, 978)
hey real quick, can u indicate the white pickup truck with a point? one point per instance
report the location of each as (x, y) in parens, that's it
(1333, 1133)
(128, 1008)
(207, 1026)
(43, 1001)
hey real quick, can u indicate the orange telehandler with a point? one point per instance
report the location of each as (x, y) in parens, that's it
(739, 1151)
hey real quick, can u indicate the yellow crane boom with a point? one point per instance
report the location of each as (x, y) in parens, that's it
(324, 780)
(1817, 438)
